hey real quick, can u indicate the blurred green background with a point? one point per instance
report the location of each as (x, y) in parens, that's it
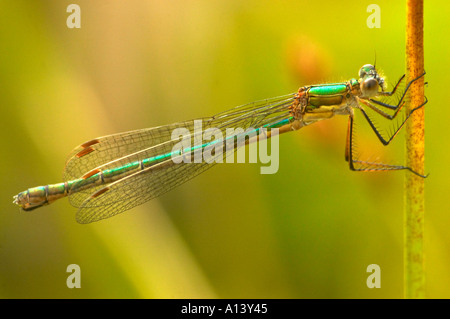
(308, 231)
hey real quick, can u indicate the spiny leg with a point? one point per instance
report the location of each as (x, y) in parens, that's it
(380, 137)
(395, 87)
(367, 166)
(382, 113)
(400, 102)
(348, 141)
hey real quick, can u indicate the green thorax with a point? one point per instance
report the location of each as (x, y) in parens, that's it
(328, 89)
(330, 94)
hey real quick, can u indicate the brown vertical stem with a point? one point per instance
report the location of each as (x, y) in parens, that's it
(414, 285)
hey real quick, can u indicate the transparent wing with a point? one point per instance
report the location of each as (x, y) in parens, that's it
(137, 189)
(99, 151)
(102, 150)
(113, 152)
(106, 201)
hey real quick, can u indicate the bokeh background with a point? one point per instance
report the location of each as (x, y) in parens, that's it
(308, 231)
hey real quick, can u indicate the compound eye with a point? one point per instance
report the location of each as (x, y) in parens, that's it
(362, 73)
(370, 87)
(366, 69)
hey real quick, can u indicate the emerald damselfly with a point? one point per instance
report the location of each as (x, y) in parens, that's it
(111, 174)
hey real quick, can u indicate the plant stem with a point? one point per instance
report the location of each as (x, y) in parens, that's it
(414, 285)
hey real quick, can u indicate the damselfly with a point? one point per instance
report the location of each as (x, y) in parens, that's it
(111, 174)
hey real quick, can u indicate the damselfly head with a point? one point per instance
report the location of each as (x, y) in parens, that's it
(370, 80)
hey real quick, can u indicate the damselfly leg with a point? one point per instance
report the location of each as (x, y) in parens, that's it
(349, 150)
